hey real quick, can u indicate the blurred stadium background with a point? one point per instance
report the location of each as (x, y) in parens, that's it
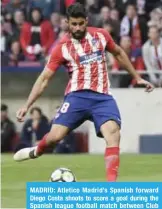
(27, 39)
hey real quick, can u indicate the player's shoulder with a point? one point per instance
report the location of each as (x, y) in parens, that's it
(93, 30)
(64, 39)
(61, 42)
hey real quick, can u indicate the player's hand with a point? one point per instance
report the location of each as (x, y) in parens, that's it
(149, 86)
(20, 114)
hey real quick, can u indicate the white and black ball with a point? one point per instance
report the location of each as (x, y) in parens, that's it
(62, 175)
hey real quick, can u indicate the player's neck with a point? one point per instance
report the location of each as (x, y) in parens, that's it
(78, 39)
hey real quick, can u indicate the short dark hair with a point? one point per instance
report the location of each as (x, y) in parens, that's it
(36, 109)
(4, 107)
(76, 10)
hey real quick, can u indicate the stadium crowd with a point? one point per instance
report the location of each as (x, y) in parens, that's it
(31, 28)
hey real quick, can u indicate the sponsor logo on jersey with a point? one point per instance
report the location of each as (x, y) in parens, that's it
(89, 58)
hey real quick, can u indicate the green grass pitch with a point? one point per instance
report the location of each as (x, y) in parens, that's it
(86, 168)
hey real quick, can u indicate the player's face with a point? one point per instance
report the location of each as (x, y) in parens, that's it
(77, 27)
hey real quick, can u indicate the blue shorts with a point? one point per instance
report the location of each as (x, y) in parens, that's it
(85, 105)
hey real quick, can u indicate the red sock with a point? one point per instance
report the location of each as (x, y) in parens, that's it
(112, 163)
(42, 146)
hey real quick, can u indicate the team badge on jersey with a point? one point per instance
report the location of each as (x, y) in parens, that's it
(95, 42)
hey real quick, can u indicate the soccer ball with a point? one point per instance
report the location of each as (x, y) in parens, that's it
(62, 175)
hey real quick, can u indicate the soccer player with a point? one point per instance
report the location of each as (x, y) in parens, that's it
(87, 96)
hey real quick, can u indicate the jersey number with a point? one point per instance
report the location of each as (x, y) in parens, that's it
(65, 107)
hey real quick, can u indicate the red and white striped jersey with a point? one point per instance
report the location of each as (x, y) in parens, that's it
(85, 60)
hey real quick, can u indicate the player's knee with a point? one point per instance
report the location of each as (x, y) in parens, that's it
(112, 136)
(114, 129)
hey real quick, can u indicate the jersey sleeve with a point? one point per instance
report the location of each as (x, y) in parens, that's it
(56, 58)
(110, 44)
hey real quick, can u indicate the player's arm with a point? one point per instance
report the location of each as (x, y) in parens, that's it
(124, 61)
(42, 81)
(39, 86)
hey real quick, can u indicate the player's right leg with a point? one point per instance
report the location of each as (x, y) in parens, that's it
(56, 133)
(71, 114)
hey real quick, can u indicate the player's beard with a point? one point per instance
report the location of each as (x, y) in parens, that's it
(79, 34)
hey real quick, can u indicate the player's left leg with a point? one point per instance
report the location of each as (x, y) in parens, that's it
(106, 117)
(111, 133)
